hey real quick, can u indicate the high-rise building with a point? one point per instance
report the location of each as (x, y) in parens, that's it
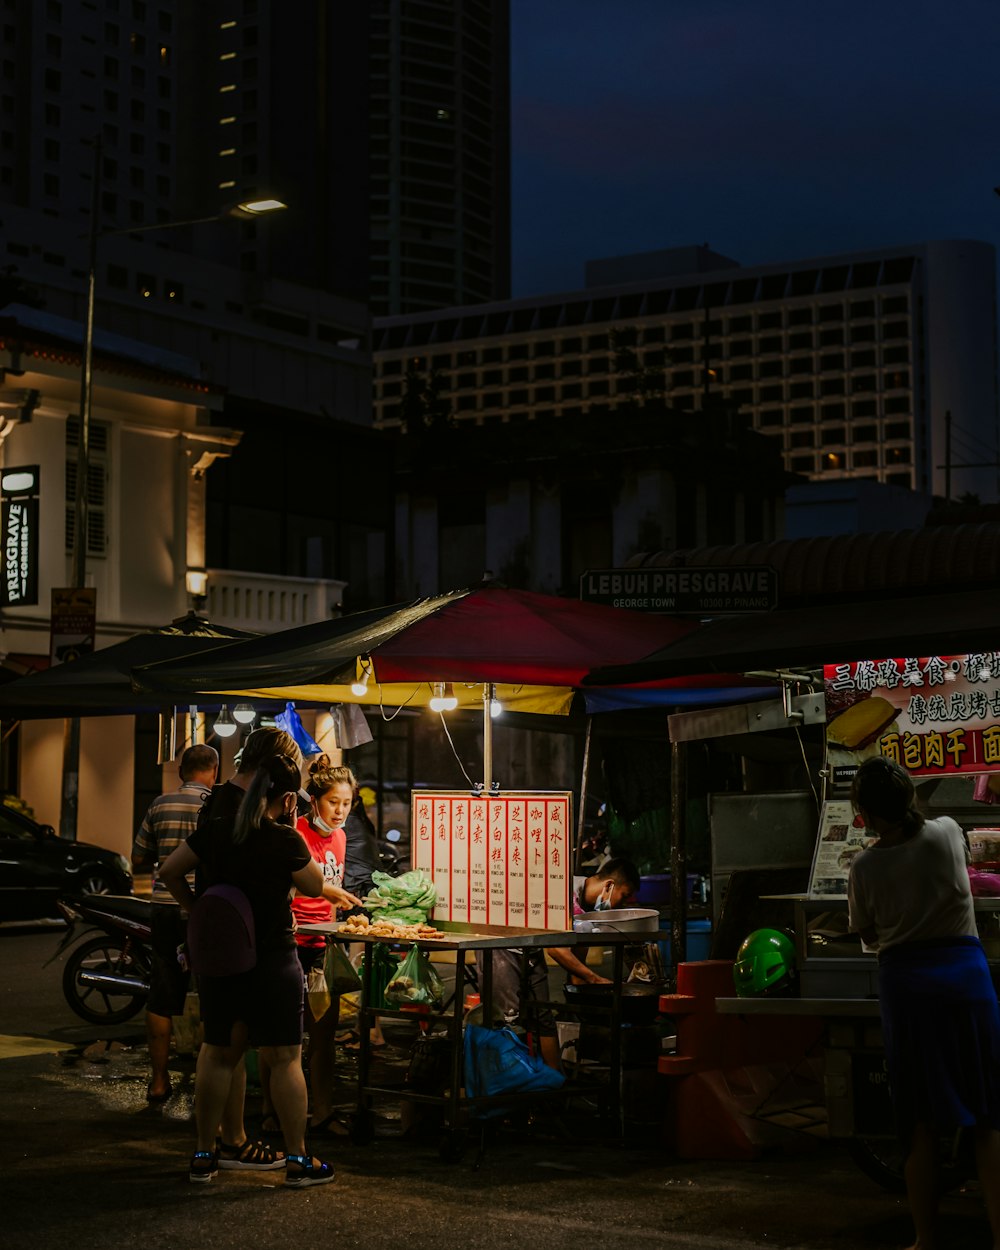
(440, 153)
(878, 365)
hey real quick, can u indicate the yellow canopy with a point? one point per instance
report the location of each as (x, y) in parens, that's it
(550, 700)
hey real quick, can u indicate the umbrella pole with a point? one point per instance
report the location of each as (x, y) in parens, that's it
(581, 819)
(488, 691)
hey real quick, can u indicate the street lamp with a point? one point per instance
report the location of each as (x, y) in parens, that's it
(243, 210)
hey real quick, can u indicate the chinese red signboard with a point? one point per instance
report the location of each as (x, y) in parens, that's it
(934, 714)
(503, 860)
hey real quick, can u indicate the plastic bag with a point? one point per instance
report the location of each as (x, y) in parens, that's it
(384, 966)
(317, 993)
(498, 1062)
(408, 899)
(341, 977)
(415, 982)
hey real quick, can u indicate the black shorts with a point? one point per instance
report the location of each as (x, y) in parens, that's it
(168, 982)
(269, 1000)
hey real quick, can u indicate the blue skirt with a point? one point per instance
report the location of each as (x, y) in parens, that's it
(941, 1026)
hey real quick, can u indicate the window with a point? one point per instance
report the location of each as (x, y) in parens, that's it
(863, 359)
(740, 325)
(867, 459)
(863, 308)
(833, 412)
(831, 361)
(864, 408)
(898, 379)
(831, 312)
(800, 390)
(801, 416)
(97, 486)
(772, 394)
(862, 334)
(897, 455)
(892, 305)
(801, 339)
(831, 386)
(897, 403)
(831, 338)
(770, 417)
(896, 355)
(53, 80)
(802, 438)
(833, 435)
(833, 460)
(802, 464)
(800, 316)
(771, 344)
(897, 429)
(769, 321)
(770, 368)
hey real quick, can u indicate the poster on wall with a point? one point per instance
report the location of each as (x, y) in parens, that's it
(842, 836)
(503, 860)
(936, 715)
(73, 624)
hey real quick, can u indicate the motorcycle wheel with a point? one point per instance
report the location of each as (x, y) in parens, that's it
(93, 1003)
(882, 1159)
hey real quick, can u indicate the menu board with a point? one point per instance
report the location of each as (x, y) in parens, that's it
(501, 860)
(842, 836)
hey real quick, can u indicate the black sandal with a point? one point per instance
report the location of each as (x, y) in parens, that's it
(309, 1174)
(252, 1156)
(204, 1167)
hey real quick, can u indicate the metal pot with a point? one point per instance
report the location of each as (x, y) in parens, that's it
(618, 920)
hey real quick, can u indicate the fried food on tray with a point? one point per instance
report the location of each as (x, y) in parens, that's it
(389, 930)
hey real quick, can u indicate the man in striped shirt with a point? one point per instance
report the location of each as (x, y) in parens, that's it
(167, 823)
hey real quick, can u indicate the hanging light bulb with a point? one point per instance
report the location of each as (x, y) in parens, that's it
(225, 726)
(443, 699)
(244, 714)
(359, 687)
(496, 707)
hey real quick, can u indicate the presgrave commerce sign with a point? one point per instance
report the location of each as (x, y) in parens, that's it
(706, 591)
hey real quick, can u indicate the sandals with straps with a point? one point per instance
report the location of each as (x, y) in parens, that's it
(309, 1173)
(252, 1156)
(204, 1167)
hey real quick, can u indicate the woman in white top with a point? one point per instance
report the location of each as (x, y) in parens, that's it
(910, 900)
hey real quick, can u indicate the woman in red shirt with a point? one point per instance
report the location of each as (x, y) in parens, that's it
(332, 791)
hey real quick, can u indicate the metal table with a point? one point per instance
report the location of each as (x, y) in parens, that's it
(460, 939)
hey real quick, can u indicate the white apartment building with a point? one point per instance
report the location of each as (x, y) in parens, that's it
(852, 361)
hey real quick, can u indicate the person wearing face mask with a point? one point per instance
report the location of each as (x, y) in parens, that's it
(332, 791)
(611, 886)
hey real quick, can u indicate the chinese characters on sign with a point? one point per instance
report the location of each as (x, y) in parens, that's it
(503, 860)
(933, 714)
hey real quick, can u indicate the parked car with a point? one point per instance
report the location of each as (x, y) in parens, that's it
(36, 867)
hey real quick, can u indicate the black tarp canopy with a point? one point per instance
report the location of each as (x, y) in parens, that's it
(100, 684)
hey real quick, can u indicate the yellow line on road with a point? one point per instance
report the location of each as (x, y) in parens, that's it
(12, 1047)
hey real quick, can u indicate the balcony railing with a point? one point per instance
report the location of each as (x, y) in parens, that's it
(267, 603)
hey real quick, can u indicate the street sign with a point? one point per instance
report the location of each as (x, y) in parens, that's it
(704, 591)
(19, 486)
(73, 624)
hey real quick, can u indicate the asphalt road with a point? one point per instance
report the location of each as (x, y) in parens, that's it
(85, 1164)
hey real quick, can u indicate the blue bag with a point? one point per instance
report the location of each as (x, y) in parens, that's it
(498, 1062)
(290, 721)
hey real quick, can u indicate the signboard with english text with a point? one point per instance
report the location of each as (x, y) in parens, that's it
(703, 591)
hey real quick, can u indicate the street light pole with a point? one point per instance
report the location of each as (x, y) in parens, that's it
(246, 210)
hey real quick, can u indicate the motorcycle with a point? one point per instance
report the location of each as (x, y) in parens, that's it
(106, 978)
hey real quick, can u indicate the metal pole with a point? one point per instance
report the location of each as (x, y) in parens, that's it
(488, 693)
(581, 816)
(71, 729)
(678, 858)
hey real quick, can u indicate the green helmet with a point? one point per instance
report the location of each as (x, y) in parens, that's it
(765, 964)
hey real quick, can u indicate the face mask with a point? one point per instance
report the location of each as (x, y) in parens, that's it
(320, 824)
(604, 901)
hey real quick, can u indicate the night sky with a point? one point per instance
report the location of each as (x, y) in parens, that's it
(768, 129)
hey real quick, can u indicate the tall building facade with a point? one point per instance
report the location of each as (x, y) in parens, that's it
(853, 363)
(440, 153)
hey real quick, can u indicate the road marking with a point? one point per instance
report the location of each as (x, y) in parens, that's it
(13, 1047)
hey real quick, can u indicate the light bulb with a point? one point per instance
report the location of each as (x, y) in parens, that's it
(244, 714)
(443, 699)
(225, 726)
(359, 687)
(496, 707)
